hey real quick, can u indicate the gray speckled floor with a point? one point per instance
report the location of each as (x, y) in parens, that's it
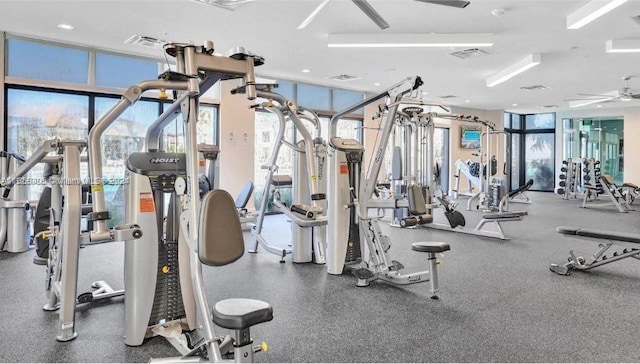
(499, 302)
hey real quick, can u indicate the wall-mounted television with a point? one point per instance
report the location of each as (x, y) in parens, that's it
(470, 136)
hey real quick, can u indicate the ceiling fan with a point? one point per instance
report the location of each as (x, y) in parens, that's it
(374, 15)
(623, 94)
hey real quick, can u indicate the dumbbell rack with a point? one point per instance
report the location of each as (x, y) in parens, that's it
(570, 179)
(591, 174)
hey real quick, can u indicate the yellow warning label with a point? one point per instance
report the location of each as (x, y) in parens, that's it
(314, 177)
(97, 188)
(146, 202)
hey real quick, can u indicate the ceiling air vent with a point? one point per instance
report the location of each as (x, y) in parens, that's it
(534, 88)
(144, 41)
(548, 106)
(227, 4)
(344, 78)
(447, 97)
(471, 53)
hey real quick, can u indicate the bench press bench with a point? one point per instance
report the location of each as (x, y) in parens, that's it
(626, 245)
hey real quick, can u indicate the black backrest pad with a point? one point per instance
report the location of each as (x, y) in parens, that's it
(243, 197)
(417, 206)
(220, 240)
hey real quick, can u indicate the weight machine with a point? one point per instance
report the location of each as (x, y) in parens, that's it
(307, 211)
(355, 240)
(64, 233)
(168, 259)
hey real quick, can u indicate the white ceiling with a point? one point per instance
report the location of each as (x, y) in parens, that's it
(573, 61)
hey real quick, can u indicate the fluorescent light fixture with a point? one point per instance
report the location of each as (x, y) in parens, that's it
(409, 40)
(612, 94)
(524, 64)
(590, 12)
(65, 26)
(623, 46)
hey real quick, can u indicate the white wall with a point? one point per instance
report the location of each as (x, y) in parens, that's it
(237, 129)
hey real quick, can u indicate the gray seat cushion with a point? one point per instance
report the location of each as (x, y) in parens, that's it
(241, 313)
(430, 247)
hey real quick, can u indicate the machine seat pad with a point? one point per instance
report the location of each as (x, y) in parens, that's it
(590, 186)
(430, 247)
(504, 215)
(599, 234)
(241, 313)
(630, 185)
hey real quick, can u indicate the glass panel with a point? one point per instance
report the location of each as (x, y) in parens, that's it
(125, 136)
(286, 89)
(347, 128)
(46, 62)
(314, 97)
(123, 72)
(266, 130)
(441, 155)
(173, 133)
(35, 116)
(539, 159)
(343, 99)
(540, 121)
(515, 121)
(507, 120)
(515, 161)
(603, 140)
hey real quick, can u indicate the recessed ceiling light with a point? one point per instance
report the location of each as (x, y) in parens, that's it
(425, 93)
(514, 104)
(467, 101)
(377, 84)
(498, 12)
(599, 106)
(65, 26)
(305, 70)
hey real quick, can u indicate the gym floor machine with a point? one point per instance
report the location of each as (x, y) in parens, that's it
(165, 266)
(420, 195)
(355, 240)
(64, 233)
(307, 211)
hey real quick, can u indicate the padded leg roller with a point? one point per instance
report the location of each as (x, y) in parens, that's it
(432, 248)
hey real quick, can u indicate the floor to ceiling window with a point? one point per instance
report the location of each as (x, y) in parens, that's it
(531, 148)
(63, 94)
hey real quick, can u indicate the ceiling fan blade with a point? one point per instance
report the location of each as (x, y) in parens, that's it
(454, 3)
(371, 13)
(313, 14)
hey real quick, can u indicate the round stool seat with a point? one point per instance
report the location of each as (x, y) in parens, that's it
(430, 247)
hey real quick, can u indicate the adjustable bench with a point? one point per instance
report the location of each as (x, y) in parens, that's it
(605, 185)
(627, 245)
(511, 196)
